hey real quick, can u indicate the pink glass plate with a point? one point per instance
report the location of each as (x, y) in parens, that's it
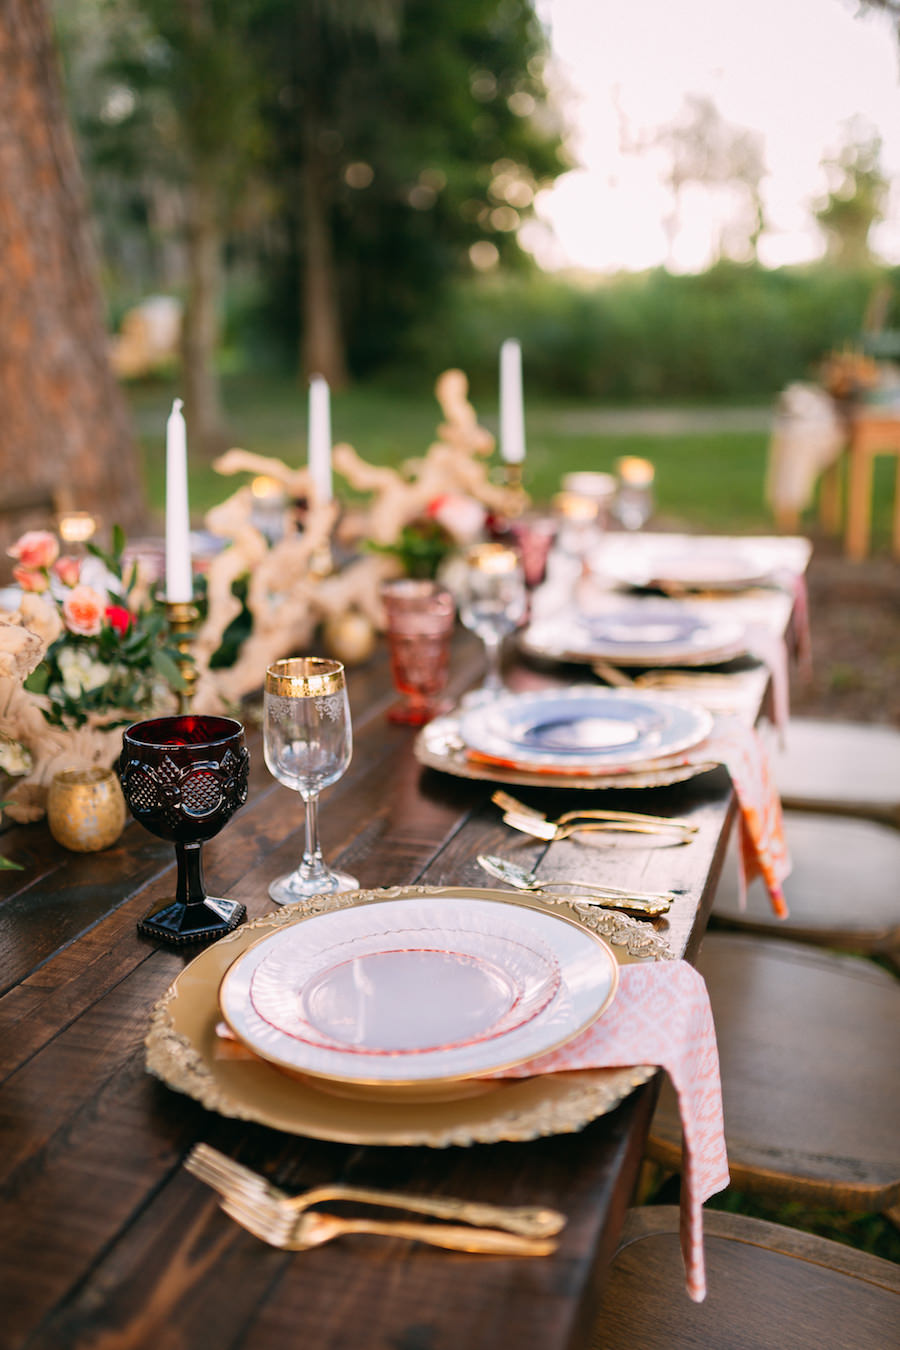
(341, 998)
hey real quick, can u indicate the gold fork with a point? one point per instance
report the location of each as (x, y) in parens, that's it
(545, 829)
(513, 806)
(233, 1180)
(307, 1230)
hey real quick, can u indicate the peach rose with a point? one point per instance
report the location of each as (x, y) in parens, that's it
(83, 611)
(36, 548)
(29, 580)
(68, 570)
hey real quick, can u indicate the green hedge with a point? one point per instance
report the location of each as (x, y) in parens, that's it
(731, 331)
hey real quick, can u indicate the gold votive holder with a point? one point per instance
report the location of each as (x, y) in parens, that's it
(85, 809)
(182, 616)
(495, 559)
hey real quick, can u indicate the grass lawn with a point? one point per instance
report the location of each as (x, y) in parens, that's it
(703, 481)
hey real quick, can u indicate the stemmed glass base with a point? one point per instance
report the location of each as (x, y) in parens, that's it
(297, 886)
(193, 916)
(178, 924)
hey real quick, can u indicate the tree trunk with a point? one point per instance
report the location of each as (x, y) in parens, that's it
(323, 348)
(65, 433)
(200, 342)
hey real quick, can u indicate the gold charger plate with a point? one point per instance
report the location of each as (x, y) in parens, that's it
(182, 1049)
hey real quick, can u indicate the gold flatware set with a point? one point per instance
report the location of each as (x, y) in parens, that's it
(530, 821)
(285, 1220)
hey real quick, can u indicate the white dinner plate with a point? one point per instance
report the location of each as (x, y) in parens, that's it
(638, 634)
(703, 565)
(583, 728)
(417, 991)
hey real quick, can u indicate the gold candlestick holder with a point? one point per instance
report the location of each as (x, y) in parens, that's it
(321, 562)
(182, 616)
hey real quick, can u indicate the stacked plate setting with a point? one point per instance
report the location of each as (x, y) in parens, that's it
(583, 730)
(417, 993)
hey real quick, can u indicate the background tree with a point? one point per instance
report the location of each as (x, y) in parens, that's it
(166, 97)
(63, 426)
(856, 198)
(704, 149)
(401, 136)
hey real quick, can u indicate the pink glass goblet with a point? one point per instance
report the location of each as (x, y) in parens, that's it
(183, 779)
(532, 537)
(420, 617)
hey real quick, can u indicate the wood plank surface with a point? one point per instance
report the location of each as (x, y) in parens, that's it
(106, 1242)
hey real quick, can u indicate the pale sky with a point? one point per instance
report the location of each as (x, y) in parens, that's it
(794, 70)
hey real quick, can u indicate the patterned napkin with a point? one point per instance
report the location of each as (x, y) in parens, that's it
(763, 846)
(661, 1015)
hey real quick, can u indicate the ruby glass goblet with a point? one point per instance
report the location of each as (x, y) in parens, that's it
(183, 779)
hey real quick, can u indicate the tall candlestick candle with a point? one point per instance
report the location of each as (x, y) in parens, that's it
(179, 581)
(319, 436)
(512, 411)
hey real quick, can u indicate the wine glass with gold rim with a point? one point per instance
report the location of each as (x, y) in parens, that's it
(492, 605)
(308, 742)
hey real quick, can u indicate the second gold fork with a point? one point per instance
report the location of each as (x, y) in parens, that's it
(232, 1179)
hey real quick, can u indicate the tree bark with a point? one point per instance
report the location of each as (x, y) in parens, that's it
(65, 432)
(200, 341)
(323, 347)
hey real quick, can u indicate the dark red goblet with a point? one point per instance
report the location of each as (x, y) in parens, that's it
(183, 779)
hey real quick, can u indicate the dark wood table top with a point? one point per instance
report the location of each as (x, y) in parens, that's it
(107, 1241)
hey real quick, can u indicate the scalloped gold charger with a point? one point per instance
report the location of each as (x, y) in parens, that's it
(182, 1050)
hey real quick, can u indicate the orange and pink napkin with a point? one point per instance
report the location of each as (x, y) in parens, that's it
(740, 748)
(661, 1016)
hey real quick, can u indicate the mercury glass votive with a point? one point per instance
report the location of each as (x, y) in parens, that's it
(85, 809)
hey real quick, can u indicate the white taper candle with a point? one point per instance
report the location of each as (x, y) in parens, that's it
(512, 411)
(179, 580)
(319, 437)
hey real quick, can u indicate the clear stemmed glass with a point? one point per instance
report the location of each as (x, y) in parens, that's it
(308, 742)
(492, 605)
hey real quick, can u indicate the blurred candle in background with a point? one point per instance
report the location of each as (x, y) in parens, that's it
(319, 437)
(512, 411)
(179, 581)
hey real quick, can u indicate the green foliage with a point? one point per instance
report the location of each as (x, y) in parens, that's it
(420, 548)
(734, 331)
(6, 864)
(856, 198)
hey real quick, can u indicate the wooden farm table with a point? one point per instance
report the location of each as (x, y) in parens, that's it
(108, 1242)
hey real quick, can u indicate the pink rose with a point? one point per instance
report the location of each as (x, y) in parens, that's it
(83, 610)
(462, 517)
(29, 580)
(68, 570)
(118, 618)
(36, 548)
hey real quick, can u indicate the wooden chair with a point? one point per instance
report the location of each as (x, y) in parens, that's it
(767, 1286)
(810, 1063)
(871, 433)
(852, 768)
(843, 890)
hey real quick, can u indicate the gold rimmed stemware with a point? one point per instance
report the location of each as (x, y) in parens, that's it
(308, 743)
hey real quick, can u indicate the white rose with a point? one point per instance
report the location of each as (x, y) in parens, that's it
(80, 671)
(14, 758)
